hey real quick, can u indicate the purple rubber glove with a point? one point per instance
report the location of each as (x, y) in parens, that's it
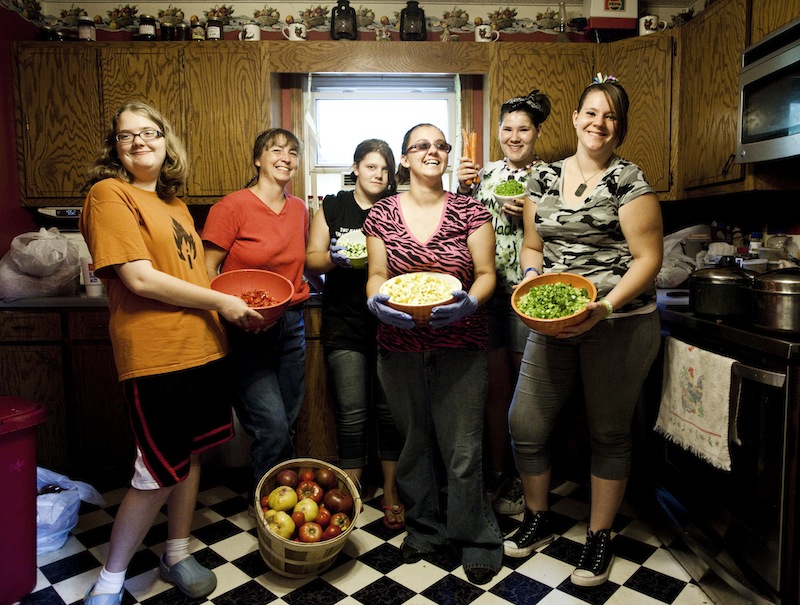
(337, 258)
(447, 314)
(377, 305)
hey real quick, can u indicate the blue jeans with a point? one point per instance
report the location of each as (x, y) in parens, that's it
(437, 399)
(270, 373)
(357, 396)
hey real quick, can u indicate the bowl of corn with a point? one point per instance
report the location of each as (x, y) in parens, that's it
(418, 293)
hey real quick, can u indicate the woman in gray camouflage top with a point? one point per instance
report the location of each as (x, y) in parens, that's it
(594, 214)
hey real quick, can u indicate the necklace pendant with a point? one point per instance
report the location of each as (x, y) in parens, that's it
(579, 191)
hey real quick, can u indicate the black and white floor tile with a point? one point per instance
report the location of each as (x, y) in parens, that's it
(369, 570)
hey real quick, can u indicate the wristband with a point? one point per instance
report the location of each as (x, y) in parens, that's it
(461, 191)
(529, 269)
(609, 307)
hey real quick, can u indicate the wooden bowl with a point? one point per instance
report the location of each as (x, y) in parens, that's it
(240, 281)
(551, 327)
(421, 313)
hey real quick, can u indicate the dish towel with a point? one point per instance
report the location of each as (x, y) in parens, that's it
(696, 401)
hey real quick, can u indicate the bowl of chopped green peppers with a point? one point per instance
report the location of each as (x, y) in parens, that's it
(354, 247)
(551, 302)
(509, 190)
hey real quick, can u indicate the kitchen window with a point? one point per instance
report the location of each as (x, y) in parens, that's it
(343, 110)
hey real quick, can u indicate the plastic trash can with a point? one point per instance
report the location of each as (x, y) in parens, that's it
(18, 420)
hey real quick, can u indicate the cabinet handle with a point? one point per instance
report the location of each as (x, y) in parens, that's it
(727, 165)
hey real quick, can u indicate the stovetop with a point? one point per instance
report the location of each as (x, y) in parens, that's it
(738, 334)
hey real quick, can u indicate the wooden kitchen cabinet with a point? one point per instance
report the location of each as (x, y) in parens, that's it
(31, 366)
(561, 71)
(644, 66)
(58, 120)
(769, 15)
(710, 45)
(100, 437)
(316, 427)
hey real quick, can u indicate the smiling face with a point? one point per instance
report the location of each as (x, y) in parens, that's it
(517, 137)
(372, 175)
(278, 161)
(595, 122)
(143, 159)
(425, 163)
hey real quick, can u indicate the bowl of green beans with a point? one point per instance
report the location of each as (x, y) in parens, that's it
(550, 302)
(354, 247)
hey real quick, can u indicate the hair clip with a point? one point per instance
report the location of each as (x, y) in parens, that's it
(601, 79)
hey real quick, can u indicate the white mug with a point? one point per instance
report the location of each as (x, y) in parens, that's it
(295, 31)
(650, 24)
(250, 31)
(485, 33)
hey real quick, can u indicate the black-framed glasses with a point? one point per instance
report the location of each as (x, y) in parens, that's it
(151, 134)
(425, 145)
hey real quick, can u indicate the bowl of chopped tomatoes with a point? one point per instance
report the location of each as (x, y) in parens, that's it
(267, 292)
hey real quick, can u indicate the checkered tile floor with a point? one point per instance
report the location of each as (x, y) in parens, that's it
(369, 570)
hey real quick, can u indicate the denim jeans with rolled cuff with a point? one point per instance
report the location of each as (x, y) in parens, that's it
(437, 398)
(270, 373)
(358, 397)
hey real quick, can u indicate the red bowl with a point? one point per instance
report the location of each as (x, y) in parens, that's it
(240, 281)
(551, 327)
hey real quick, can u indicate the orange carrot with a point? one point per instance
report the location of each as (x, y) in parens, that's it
(473, 144)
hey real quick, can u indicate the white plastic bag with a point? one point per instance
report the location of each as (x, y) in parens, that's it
(40, 264)
(57, 507)
(676, 266)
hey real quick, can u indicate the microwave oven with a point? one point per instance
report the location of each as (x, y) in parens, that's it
(769, 97)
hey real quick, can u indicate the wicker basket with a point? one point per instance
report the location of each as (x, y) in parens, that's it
(301, 559)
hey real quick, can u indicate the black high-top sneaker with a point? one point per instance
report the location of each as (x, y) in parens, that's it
(595, 562)
(533, 533)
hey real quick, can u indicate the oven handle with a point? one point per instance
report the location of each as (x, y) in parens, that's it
(740, 372)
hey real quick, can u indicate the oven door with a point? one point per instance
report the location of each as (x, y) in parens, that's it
(733, 520)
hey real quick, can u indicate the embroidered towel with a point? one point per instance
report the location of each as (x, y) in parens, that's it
(695, 401)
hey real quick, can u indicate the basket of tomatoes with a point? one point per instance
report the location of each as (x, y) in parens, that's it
(306, 508)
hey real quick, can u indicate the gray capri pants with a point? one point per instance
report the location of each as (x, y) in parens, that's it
(612, 360)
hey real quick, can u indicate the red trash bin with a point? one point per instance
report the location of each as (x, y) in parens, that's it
(18, 420)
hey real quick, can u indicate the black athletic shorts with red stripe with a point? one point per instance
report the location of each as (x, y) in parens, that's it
(175, 415)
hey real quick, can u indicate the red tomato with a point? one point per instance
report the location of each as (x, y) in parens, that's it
(310, 489)
(326, 478)
(287, 477)
(310, 532)
(323, 516)
(306, 474)
(331, 532)
(338, 501)
(341, 520)
(298, 517)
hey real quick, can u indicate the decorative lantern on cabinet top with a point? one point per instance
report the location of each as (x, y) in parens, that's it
(412, 22)
(343, 21)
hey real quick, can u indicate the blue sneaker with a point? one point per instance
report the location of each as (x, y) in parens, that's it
(189, 576)
(102, 599)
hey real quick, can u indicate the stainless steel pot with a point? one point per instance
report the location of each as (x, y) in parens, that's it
(776, 297)
(721, 292)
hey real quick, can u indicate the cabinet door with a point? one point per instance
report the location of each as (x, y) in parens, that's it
(710, 46)
(147, 72)
(59, 132)
(35, 372)
(769, 15)
(228, 101)
(643, 66)
(561, 71)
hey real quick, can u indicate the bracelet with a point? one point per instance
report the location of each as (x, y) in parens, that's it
(534, 269)
(461, 191)
(609, 307)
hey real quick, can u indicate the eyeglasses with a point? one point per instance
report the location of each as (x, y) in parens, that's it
(425, 145)
(146, 135)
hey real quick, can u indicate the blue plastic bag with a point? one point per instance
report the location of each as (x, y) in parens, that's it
(57, 507)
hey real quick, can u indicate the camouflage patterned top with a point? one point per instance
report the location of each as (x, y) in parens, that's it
(587, 239)
(507, 229)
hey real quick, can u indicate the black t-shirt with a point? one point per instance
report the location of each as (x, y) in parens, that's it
(346, 321)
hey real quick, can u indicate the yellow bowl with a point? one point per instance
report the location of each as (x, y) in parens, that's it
(551, 327)
(421, 313)
(354, 237)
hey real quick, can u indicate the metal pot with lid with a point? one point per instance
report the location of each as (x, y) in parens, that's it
(776, 297)
(721, 292)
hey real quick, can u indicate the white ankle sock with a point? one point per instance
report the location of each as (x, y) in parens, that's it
(109, 582)
(177, 551)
